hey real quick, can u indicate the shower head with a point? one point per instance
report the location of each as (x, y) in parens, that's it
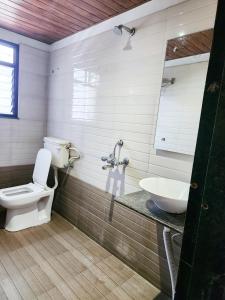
(119, 30)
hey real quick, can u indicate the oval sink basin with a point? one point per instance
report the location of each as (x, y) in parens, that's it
(167, 194)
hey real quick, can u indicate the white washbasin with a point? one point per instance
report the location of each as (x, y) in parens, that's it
(169, 195)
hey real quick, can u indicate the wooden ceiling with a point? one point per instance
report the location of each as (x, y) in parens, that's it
(51, 20)
(191, 44)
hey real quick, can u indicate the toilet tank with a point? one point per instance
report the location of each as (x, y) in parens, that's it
(59, 149)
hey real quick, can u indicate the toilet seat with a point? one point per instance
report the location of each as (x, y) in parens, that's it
(22, 195)
(30, 204)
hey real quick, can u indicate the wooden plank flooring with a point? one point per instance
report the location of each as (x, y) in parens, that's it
(58, 261)
(131, 237)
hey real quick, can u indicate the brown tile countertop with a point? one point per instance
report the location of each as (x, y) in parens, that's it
(141, 202)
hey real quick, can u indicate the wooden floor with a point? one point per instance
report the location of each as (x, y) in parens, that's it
(57, 261)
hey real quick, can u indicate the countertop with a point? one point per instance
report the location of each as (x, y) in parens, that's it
(142, 203)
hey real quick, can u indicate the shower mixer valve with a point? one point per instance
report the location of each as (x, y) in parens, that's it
(112, 160)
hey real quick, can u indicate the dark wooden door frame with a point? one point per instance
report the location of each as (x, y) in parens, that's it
(201, 273)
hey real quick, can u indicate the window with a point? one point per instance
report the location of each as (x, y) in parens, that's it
(9, 62)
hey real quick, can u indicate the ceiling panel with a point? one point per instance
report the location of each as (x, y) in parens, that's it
(51, 20)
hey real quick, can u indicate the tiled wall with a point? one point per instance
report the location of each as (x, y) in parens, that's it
(133, 238)
(21, 139)
(100, 93)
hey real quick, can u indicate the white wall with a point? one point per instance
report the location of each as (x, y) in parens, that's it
(20, 139)
(99, 93)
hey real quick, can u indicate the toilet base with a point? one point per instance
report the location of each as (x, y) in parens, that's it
(29, 216)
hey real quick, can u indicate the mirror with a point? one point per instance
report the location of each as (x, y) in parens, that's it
(183, 83)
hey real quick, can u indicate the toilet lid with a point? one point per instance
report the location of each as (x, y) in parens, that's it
(42, 166)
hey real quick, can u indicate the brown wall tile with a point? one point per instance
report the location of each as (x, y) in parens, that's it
(133, 238)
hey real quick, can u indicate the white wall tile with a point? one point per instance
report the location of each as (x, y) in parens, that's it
(99, 93)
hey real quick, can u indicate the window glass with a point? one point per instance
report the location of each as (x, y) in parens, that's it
(6, 54)
(9, 56)
(6, 90)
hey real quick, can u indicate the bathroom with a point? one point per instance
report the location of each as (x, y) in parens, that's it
(97, 86)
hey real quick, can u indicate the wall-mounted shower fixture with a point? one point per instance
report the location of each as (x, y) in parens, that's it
(113, 160)
(119, 30)
(168, 81)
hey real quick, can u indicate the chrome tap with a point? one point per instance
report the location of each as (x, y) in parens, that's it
(112, 161)
(105, 167)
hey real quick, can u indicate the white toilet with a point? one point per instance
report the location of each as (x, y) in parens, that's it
(30, 204)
